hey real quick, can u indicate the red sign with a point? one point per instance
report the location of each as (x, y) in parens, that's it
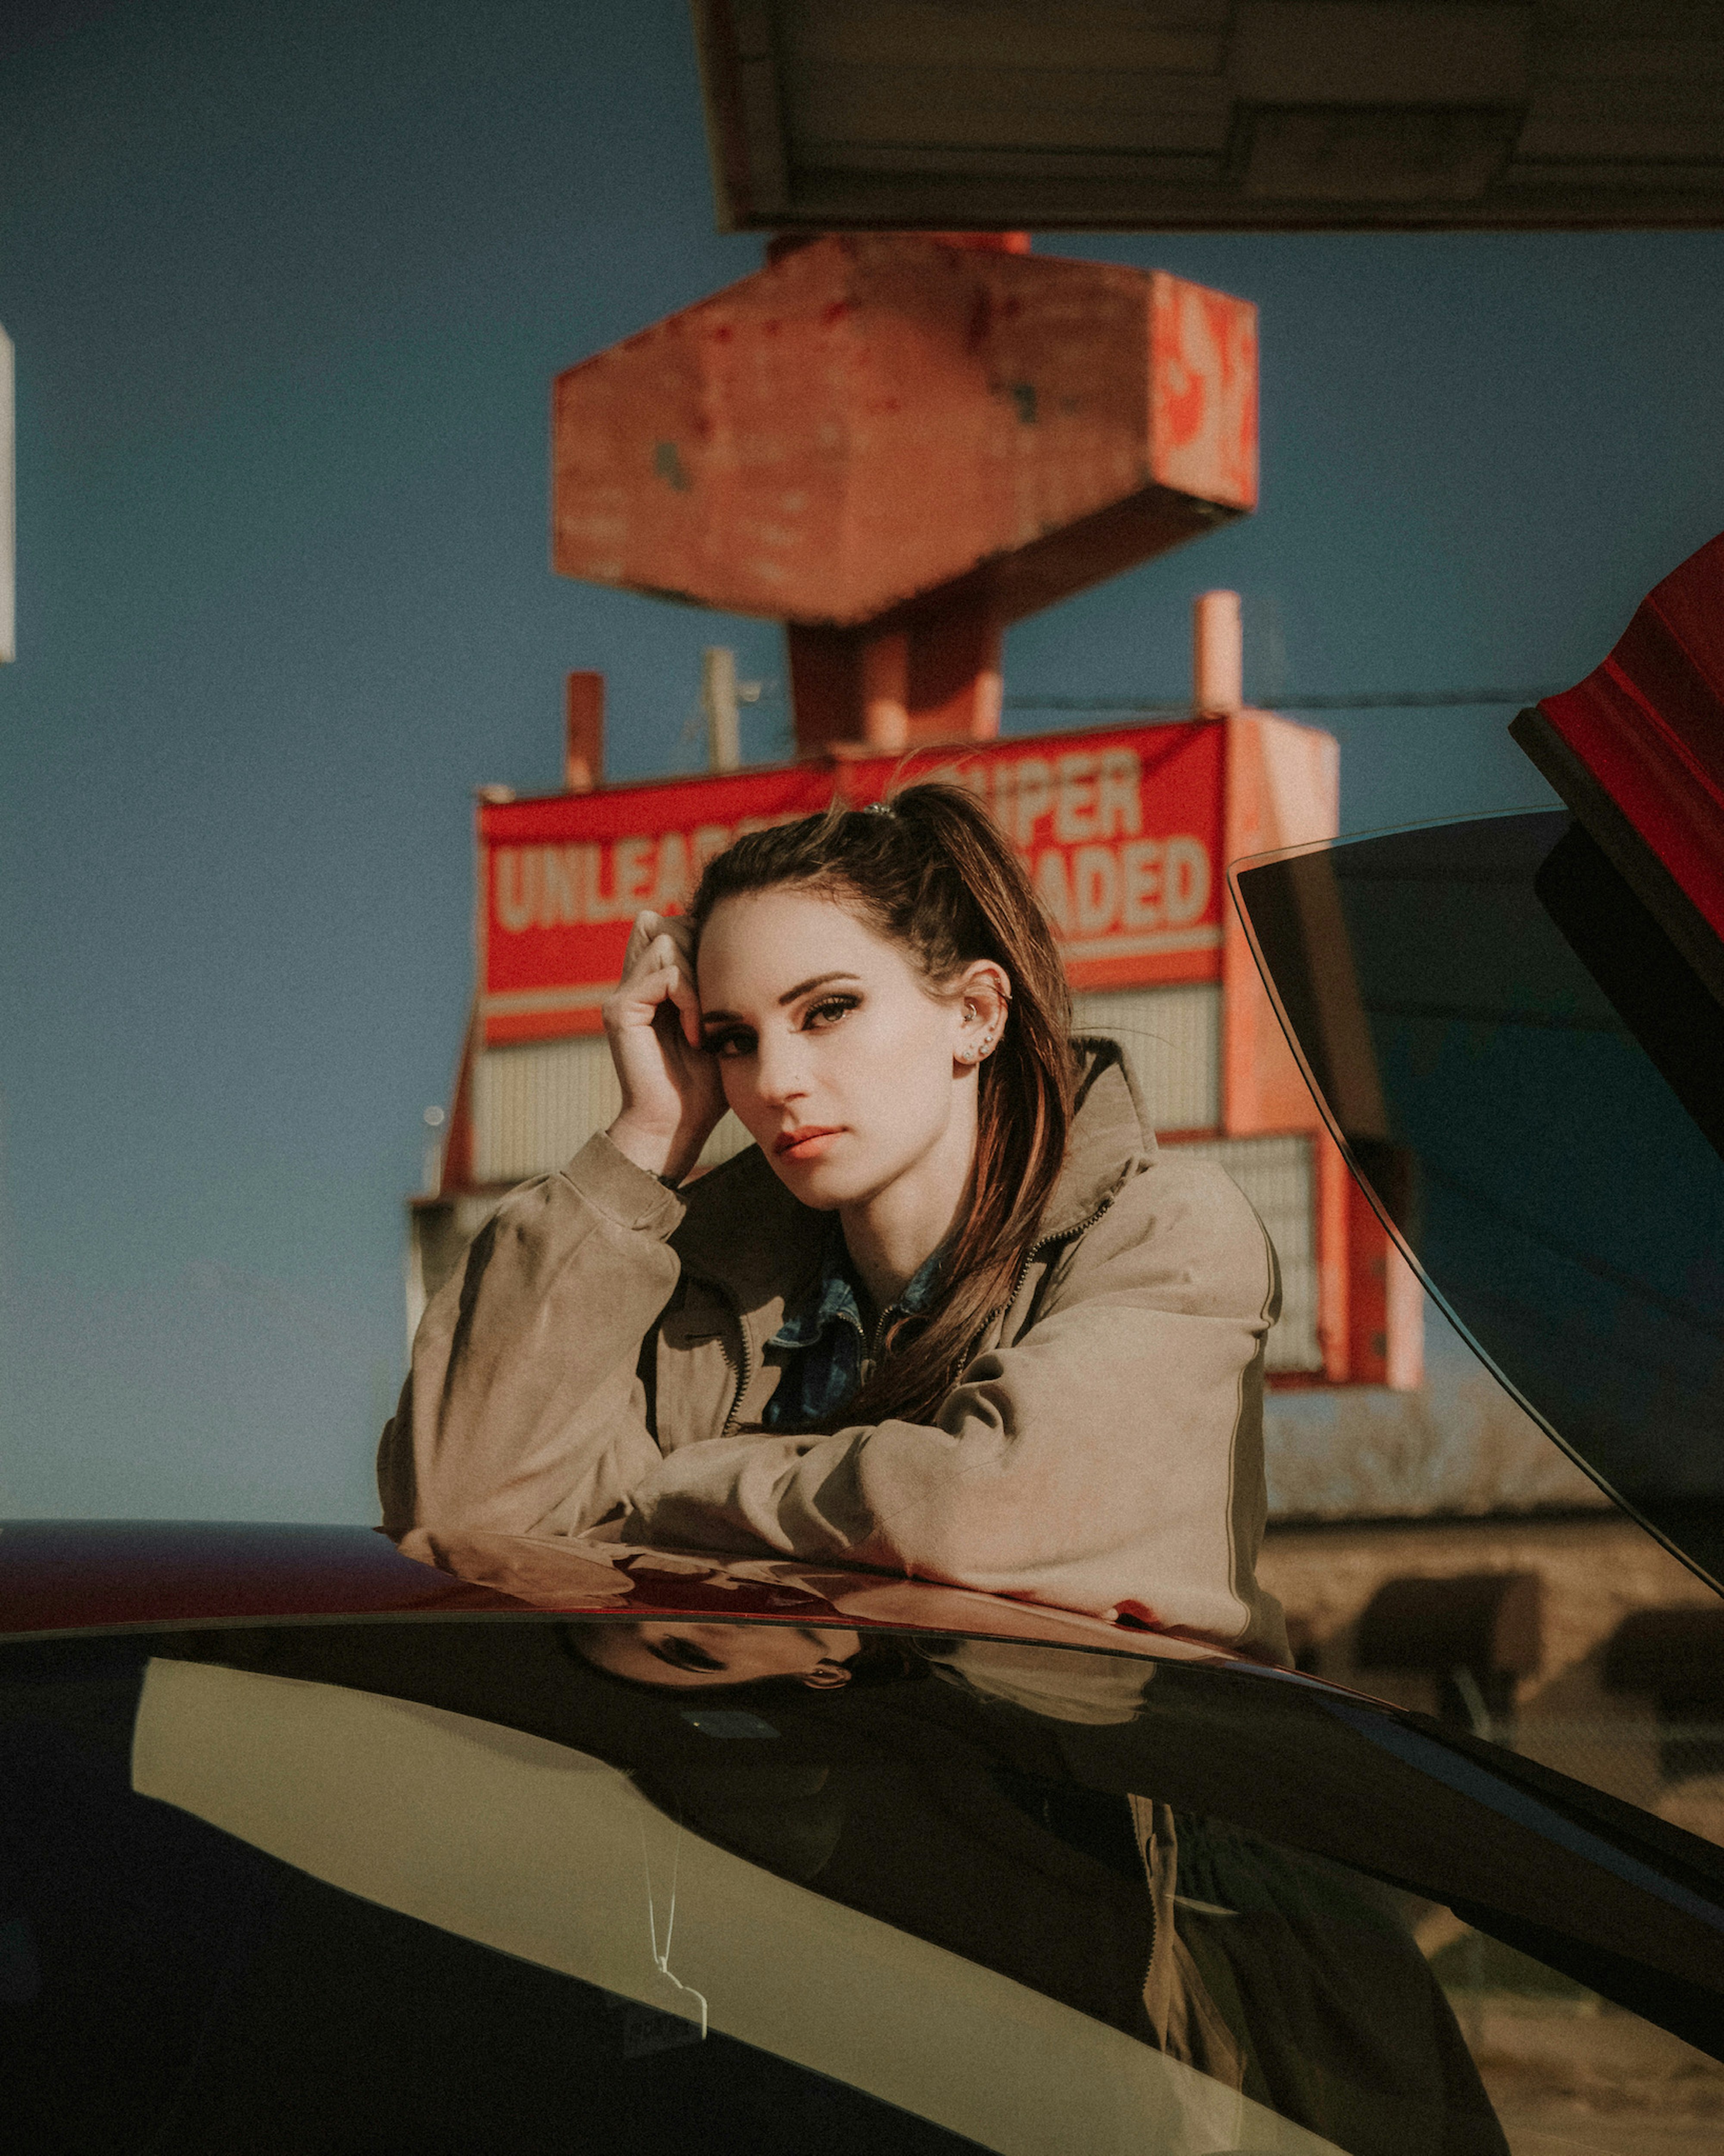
(1121, 831)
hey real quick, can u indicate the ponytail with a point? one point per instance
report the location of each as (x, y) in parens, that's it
(933, 873)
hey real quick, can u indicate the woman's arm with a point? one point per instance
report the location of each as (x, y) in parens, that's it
(564, 1573)
(523, 1414)
(1108, 1459)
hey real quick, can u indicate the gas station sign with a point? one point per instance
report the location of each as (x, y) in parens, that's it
(1121, 831)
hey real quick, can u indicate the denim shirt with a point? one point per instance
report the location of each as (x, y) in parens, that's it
(828, 1341)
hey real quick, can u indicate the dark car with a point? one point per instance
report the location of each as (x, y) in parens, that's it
(309, 1847)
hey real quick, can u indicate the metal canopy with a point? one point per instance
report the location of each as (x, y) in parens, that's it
(1213, 115)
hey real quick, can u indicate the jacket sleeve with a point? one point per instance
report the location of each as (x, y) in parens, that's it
(523, 1412)
(1108, 1459)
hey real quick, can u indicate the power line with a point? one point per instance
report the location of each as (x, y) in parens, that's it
(1391, 699)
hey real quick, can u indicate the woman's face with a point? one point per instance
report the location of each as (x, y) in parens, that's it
(684, 1656)
(835, 1057)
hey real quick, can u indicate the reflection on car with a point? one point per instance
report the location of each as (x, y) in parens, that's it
(440, 1879)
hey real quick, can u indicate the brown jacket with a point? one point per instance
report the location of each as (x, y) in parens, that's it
(1102, 1451)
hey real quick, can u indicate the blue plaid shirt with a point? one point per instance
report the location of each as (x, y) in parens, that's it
(827, 1340)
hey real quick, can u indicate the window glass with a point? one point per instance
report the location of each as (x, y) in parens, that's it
(1525, 1075)
(456, 1885)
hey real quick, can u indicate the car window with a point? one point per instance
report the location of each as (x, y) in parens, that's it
(1524, 1073)
(456, 1884)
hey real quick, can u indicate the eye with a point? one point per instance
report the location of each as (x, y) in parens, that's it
(737, 1041)
(690, 1656)
(820, 1016)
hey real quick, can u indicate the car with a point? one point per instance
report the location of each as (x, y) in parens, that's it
(312, 1845)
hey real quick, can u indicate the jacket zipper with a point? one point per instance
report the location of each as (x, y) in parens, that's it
(1140, 1834)
(740, 1365)
(1049, 1243)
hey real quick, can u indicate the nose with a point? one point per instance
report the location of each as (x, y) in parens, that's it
(780, 1070)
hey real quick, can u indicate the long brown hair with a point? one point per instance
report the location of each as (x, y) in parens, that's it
(936, 874)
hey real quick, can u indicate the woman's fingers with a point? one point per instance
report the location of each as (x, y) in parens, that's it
(688, 1004)
(650, 928)
(655, 945)
(672, 1096)
(646, 929)
(665, 984)
(658, 967)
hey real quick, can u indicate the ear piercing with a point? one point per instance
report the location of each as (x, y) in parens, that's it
(972, 1055)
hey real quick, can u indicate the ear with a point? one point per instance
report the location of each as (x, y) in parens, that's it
(983, 997)
(826, 1676)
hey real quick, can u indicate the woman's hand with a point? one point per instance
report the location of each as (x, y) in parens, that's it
(672, 1099)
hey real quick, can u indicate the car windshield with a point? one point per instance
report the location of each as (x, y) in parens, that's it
(1526, 1077)
(489, 1882)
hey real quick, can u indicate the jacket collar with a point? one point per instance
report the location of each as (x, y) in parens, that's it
(1112, 1138)
(744, 1230)
(833, 1295)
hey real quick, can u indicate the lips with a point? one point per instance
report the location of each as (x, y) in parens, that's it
(804, 1144)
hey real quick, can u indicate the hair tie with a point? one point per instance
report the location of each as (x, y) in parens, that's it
(879, 809)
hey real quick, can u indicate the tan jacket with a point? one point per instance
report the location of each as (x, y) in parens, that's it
(1102, 1451)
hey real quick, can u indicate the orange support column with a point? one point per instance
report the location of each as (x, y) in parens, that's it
(825, 670)
(1337, 1306)
(955, 685)
(1283, 789)
(1385, 1303)
(885, 681)
(583, 732)
(898, 685)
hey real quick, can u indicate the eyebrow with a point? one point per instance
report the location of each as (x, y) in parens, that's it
(789, 996)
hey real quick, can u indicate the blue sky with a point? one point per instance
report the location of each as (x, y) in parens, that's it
(288, 285)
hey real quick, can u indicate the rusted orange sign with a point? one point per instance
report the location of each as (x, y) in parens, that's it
(880, 420)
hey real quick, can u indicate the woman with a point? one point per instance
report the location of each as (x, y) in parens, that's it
(953, 1316)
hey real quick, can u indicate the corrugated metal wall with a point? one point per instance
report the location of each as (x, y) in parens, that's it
(535, 1105)
(1173, 1038)
(1277, 1175)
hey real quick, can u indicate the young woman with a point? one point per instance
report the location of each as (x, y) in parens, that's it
(952, 1316)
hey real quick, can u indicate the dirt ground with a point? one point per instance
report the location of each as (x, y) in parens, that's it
(1593, 2082)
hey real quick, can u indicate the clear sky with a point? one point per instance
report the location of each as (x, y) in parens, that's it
(288, 283)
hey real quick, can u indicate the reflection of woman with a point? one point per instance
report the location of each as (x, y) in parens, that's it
(954, 1317)
(701, 1623)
